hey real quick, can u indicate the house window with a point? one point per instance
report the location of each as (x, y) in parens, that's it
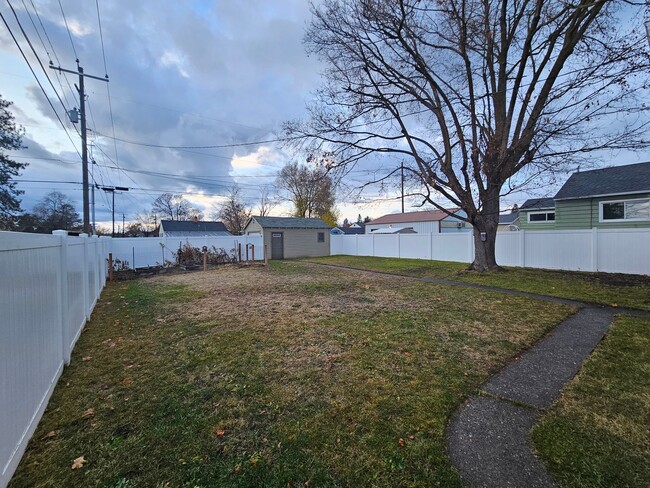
(541, 217)
(321, 237)
(622, 210)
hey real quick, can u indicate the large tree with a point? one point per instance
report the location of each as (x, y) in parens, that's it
(55, 211)
(311, 190)
(479, 96)
(233, 212)
(174, 207)
(10, 139)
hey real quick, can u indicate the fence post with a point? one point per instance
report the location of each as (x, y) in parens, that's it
(97, 264)
(399, 245)
(594, 248)
(62, 295)
(373, 244)
(356, 244)
(430, 246)
(84, 274)
(522, 248)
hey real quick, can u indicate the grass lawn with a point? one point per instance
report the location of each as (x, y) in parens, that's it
(602, 288)
(290, 375)
(597, 434)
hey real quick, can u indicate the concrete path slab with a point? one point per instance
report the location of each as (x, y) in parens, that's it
(488, 444)
(538, 376)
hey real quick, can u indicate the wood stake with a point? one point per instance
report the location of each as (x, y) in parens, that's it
(110, 266)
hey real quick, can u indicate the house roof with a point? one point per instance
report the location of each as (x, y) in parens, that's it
(183, 227)
(537, 204)
(421, 216)
(394, 230)
(290, 223)
(508, 218)
(617, 180)
(359, 229)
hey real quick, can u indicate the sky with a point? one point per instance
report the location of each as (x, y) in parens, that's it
(187, 73)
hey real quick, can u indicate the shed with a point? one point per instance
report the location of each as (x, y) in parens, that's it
(291, 237)
(192, 228)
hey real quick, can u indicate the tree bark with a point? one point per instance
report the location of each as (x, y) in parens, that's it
(485, 228)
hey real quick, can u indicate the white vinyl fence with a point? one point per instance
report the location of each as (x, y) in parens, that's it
(140, 252)
(49, 285)
(609, 250)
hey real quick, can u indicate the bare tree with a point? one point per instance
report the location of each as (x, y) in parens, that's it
(266, 202)
(233, 213)
(310, 190)
(55, 211)
(480, 97)
(174, 207)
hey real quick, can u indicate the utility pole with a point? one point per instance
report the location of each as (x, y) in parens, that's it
(84, 145)
(122, 225)
(113, 189)
(402, 168)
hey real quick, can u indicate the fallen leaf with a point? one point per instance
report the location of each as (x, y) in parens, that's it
(402, 442)
(615, 305)
(117, 322)
(237, 468)
(88, 413)
(127, 381)
(220, 433)
(411, 437)
(79, 462)
(162, 321)
(86, 358)
(50, 434)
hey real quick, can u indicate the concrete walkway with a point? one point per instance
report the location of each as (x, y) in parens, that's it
(489, 436)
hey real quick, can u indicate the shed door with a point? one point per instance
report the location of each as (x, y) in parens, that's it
(277, 245)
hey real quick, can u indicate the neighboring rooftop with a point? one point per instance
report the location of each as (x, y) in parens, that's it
(537, 204)
(185, 227)
(291, 223)
(617, 180)
(508, 218)
(394, 230)
(354, 229)
(421, 216)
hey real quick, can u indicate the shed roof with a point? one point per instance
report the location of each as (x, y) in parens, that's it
(538, 204)
(420, 216)
(617, 180)
(290, 223)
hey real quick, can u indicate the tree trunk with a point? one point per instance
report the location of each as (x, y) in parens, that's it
(485, 235)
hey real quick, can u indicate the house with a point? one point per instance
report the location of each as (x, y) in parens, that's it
(509, 222)
(616, 197)
(422, 222)
(291, 237)
(353, 229)
(192, 228)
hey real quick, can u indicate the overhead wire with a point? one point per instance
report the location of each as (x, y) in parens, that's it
(38, 81)
(65, 21)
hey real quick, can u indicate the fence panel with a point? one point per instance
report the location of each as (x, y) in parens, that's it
(609, 250)
(508, 248)
(415, 246)
(570, 250)
(140, 252)
(48, 286)
(386, 245)
(452, 247)
(624, 251)
(365, 245)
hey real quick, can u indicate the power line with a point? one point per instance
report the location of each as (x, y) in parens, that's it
(38, 81)
(101, 36)
(213, 146)
(65, 21)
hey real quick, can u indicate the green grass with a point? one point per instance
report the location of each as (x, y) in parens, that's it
(285, 375)
(601, 288)
(597, 434)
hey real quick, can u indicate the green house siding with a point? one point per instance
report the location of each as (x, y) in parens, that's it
(574, 214)
(524, 224)
(583, 214)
